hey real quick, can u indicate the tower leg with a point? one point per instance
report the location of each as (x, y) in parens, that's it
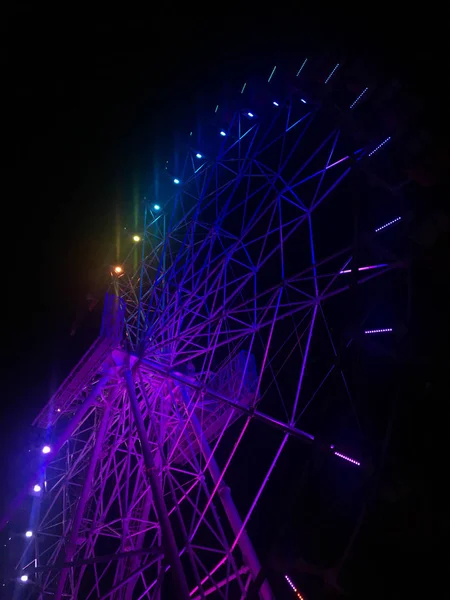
(248, 552)
(84, 497)
(82, 410)
(168, 537)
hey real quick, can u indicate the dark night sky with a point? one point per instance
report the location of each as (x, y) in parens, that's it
(90, 101)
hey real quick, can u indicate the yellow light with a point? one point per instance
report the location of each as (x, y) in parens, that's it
(118, 270)
(136, 238)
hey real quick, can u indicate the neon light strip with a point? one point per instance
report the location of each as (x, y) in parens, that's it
(385, 330)
(368, 268)
(348, 459)
(379, 146)
(243, 87)
(271, 75)
(337, 162)
(217, 108)
(359, 97)
(387, 224)
(300, 70)
(331, 74)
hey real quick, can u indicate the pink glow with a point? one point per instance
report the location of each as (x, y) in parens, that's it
(368, 268)
(337, 162)
(291, 583)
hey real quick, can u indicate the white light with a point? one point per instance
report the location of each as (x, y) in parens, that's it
(304, 101)
(387, 224)
(250, 115)
(177, 181)
(28, 534)
(156, 207)
(198, 155)
(37, 488)
(46, 449)
(58, 410)
(385, 330)
(275, 103)
(24, 578)
(222, 133)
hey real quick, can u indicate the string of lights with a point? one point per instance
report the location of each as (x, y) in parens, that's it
(294, 588)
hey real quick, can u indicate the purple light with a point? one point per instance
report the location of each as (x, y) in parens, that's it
(348, 459)
(337, 162)
(37, 488)
(331, 74)
(368, 268)
(387, 224)
(385, 330)
(359, 97)
(24, 578)
(46, 449)
(380, 145)
(28, 534)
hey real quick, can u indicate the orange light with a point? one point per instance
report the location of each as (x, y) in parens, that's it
(118, 270)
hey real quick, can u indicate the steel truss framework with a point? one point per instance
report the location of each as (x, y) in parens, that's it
(211, 333)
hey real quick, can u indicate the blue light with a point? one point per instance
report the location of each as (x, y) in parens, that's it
(331, 74)
(156, 207)
(304, 101)
(198, 155)
(276, 104)
(177, 181)
(380, 145)
(359, 97)
(300, 70)
(250, 115)
(222, 133)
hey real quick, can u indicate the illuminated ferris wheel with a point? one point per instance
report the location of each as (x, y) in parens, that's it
(225, 324)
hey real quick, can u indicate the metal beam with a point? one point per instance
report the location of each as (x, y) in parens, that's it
(168, 538)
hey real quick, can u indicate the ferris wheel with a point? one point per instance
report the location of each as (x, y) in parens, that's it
(255, 269)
